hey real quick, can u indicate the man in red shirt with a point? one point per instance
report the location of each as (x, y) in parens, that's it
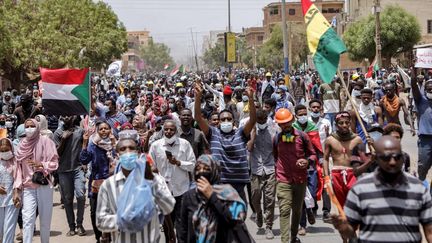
(293, 153)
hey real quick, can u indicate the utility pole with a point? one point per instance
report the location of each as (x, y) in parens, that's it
(194, 50)
(229, 29)
(377, 10)
(229, 15)
(285, 44)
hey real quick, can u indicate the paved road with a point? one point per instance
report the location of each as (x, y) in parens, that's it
(320, 232)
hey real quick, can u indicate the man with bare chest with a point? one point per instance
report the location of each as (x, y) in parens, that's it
(339, 146)
(391, 104)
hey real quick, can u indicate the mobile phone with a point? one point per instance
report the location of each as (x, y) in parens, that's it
(168, 153)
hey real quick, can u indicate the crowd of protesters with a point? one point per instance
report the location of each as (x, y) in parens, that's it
(214, 146)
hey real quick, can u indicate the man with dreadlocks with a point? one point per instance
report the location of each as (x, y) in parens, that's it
(339, 146)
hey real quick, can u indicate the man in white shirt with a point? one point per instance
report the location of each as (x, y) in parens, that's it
(325, 129)
(111, 188)
(174, 158)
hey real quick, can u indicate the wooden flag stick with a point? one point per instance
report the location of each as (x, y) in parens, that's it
(333, 198)
(371, 148)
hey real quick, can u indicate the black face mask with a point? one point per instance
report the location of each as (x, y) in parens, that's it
(205, 174)
(2, 123)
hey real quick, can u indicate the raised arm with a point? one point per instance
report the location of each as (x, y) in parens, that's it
(326, 157)
(252, 114)
(414, 85)
(202, 123)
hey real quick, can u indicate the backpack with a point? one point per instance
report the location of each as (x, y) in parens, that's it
(135, 204)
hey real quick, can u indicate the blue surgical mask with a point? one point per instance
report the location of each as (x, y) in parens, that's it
(128, 160)
(315, 114)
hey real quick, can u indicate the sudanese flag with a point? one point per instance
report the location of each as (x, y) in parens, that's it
(66, 92)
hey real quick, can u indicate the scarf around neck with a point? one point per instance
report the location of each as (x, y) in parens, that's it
(367, 112)
(204, 220)
(391, 105)
(103, 143)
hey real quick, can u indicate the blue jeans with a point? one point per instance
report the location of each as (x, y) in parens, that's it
(331, 117)
(312, 185)
(73, 183)
(424, 155)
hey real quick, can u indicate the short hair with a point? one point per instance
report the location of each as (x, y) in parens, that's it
(261, 113)
(392, 127)
(113, 102)
(171, 121)
(315, 101)
(271, 102)
(299, 107)
(100, 122)
(223, 111)
(366, 91)
(186, 109)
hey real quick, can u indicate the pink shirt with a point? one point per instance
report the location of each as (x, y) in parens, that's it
(40, 154)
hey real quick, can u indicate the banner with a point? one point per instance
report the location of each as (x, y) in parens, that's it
(114, 69)
(424, 58)
(230, 47)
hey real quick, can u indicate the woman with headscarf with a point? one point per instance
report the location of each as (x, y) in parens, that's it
(37, 158)
(212, 211)
(43, 123)
(97, 149)
(19, 135)
(9, 191)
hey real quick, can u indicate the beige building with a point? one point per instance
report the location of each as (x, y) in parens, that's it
(254, 36)
(142, 35)
(294, 13)
(421, 9)
(131, 59)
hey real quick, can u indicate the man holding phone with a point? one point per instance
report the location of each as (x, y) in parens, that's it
(174, 158)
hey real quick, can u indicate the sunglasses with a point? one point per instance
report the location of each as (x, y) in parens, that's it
(388, 157)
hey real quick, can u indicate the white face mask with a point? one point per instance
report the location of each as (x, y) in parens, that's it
(226, 127)
(302, 119)
(6, 155)
(355, 93)
(170, 140)
(315, 114)
(245, 98)
(9, 124)
(262, 126)
(30, 131)
(429, 96)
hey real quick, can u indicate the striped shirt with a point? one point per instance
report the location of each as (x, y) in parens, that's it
(106, 212)
(230, 150)
(388, 213)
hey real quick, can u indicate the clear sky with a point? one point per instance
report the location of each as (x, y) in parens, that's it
(169, 21)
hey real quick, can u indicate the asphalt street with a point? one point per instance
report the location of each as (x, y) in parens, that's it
(320, 232)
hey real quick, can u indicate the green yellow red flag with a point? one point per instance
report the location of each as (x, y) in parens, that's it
(324, 44)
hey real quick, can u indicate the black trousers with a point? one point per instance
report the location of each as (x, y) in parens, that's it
(93, 205)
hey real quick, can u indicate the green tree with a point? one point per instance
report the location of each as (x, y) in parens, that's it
(270, 55)
(215, 57)
(59, 33)
(400, 31)
(156, 55)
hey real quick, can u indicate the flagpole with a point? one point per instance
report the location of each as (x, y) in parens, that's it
(356, 113)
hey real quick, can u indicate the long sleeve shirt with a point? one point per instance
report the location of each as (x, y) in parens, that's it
(50, 164)
(177, 177)
(287, 154)
(99, 162)
(106, 213)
